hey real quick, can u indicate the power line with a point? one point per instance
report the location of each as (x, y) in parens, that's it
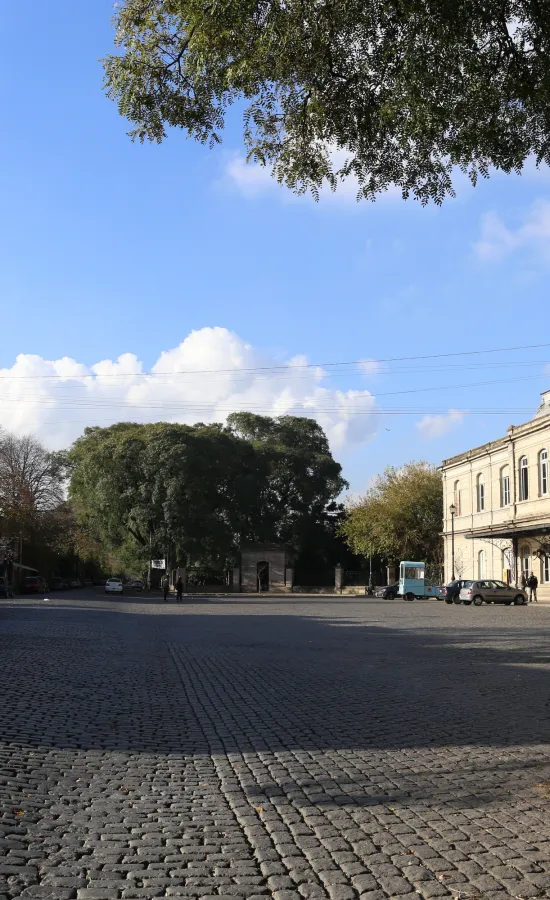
(286, 366)
(68, 402)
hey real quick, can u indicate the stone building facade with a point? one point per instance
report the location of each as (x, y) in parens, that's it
(266, 567)
(501, 494)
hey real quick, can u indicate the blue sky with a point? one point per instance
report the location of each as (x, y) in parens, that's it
(111, 248)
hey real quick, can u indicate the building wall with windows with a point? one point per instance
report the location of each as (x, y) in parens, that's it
(501, 495)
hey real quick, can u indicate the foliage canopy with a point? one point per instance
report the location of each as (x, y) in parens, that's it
(405, 89)
(198, 491)
(400, 517)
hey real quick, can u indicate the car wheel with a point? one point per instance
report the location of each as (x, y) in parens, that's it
(390, 595)
(520, 600)
(478, 600)
(409, 596)
(449, 600)
(457, 600)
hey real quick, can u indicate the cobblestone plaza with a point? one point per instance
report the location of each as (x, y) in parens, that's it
(289, 747)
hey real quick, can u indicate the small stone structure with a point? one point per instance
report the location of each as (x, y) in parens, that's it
(266, 567)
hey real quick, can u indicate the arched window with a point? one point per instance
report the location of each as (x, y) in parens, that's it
(480, 493)
(458, 511)
(543, 473)
(481, 564)
(523, 479)
(505, 486)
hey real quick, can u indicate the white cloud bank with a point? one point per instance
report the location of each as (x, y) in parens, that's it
(436, 426)
(497, 240)
(56, 399)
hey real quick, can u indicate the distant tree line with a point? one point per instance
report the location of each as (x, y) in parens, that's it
(125, 494)
(194, 493)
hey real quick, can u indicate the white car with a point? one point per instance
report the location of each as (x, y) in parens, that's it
(113, 586)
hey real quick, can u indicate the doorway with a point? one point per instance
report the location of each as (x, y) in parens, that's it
(262, 570)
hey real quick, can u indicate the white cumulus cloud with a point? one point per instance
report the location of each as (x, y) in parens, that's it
(435, 426)
(210, 374)
(498, 240)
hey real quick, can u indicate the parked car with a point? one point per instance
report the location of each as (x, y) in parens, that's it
(452, 590)
(136, 584)
(389, 592)
(6, 591)
(490, 591)
(58, 584)
(34, 584)
(113, 586)
(75, 583)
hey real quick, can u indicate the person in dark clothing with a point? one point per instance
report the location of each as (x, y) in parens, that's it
(165, 587)
(179, 590)
(532, 584)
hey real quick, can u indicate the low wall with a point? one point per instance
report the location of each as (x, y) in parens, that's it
(209, 589)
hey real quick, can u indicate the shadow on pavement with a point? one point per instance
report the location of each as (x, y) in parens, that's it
(116, 680)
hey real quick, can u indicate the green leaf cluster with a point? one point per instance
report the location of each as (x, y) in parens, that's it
(197, 492)
(406, 90)
(400, 517)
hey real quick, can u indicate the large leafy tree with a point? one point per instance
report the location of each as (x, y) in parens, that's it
(301, 481)
(31, 482)
(400, 516)
(199, 491)
(144, 489)
(406, 89)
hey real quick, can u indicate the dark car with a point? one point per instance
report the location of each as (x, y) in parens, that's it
(452, 590)
(5, 592)
(389, 592)
(58, 584)
(34, 584)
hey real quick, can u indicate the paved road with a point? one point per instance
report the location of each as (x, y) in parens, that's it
(278, 748)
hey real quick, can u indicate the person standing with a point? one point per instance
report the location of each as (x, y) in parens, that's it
(532, 584)
(165, 587)
(179, 590)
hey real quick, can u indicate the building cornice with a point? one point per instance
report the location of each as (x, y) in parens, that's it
(476, 452)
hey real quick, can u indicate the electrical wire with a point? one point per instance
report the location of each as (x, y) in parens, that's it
(286, 366)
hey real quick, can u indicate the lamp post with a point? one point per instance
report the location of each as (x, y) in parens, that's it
(452, 510)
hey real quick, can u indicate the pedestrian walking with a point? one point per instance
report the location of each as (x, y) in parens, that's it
(179, 590)
(533, 584)
(165, 586)
(524, 581)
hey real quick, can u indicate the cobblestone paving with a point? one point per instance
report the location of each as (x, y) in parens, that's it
(285, 748)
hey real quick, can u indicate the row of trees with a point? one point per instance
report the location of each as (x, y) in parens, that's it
(128, 493)
(195, 493)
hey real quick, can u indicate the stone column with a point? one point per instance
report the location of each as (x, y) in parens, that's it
(338, 578)
(289, 578)
(236, 585)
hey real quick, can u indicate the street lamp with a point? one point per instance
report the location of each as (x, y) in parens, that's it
(452, 510)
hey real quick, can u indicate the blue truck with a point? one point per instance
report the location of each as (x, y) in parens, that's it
(413, 584)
